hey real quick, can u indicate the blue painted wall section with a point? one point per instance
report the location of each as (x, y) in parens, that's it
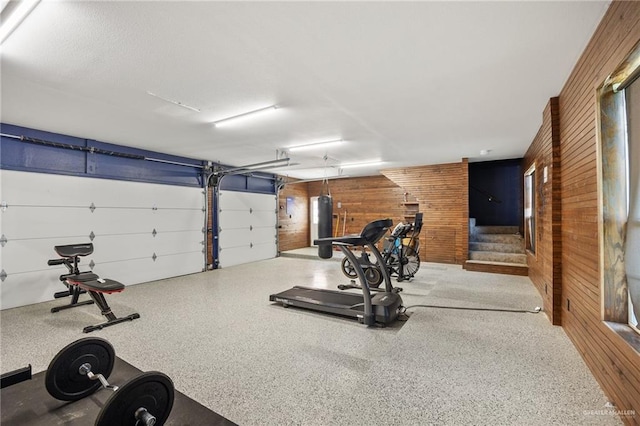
(30, 157)
(25, 156)
(257, 183)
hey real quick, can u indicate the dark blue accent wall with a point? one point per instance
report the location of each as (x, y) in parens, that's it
(501, 180)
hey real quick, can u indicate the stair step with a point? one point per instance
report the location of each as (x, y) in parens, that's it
(496, 267)
(492, 256)
(516, 247)
(497, 229)
(497, 238)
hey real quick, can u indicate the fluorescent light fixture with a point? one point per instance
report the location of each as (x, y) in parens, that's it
(250, 114)
(9, 23)
(367, 164)
(310, 146)
(171, 101)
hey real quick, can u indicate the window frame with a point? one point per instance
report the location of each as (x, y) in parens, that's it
(530, 237)
(633, 146)
(613, 192)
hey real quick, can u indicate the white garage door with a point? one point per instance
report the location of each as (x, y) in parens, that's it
(247, 223)
(140, 231)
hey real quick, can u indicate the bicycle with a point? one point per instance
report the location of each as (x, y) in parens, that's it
(400, 253)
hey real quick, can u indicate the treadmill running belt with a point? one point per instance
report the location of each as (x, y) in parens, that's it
(333, 299)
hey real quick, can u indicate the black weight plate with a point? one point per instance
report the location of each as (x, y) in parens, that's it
(64, 380)
(152, 390)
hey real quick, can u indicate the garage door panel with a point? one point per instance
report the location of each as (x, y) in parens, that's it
(35, 222)
(30, 287)
(47, 210)
(264, 234)
(241, 255)
(234, 219)
(32, 255)
(247, 227)
(134, 271)
(263, 219)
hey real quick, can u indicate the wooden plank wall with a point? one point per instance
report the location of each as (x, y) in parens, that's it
(364, 199)
(443, 193)
(614, 363)
(293, 217)
(542, 153)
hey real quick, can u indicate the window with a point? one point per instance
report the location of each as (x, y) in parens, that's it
(530, 209)
(632, 248)
(619, 197)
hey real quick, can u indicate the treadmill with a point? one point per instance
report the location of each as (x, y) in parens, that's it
(382, 308)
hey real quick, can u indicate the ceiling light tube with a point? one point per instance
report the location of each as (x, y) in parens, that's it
(314, 145)
(20, 12)
(368, 164)
(250, 114)
(171, 101)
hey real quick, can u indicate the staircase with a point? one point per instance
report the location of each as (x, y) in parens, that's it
(497, 249)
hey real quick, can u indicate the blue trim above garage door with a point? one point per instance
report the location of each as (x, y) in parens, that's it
(143, 166)
(256, 183)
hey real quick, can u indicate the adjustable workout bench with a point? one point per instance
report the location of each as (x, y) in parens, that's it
(86, 282)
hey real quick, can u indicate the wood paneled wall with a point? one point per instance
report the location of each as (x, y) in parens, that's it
(545, 264)
(614, 363)
(293, 217)
(443, 193)
(364, 200)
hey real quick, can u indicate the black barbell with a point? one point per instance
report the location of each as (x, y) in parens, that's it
(83, 367)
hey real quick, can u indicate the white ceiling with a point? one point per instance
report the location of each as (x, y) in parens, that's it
(408, 83)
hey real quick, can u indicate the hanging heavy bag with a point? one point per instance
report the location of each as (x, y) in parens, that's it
(325, 221)
(325, 225)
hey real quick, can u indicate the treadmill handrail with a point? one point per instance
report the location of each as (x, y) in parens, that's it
(371, 234)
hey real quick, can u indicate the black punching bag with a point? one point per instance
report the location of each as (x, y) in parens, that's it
(325, 225)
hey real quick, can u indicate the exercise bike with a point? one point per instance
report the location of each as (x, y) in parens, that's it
(400, 255)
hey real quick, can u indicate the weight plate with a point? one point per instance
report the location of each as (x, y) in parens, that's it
(64, 380)
(152, 390)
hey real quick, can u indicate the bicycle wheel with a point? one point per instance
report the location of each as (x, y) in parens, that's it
(410, 262)
(347, 269)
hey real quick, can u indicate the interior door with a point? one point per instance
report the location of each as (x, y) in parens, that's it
(313, 219)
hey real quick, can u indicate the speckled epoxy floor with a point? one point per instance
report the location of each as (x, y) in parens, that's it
(226, 346)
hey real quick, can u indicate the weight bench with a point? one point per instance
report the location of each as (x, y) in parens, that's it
(86, 282)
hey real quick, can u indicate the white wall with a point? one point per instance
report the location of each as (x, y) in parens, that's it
(247, 224)
(45, 210)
